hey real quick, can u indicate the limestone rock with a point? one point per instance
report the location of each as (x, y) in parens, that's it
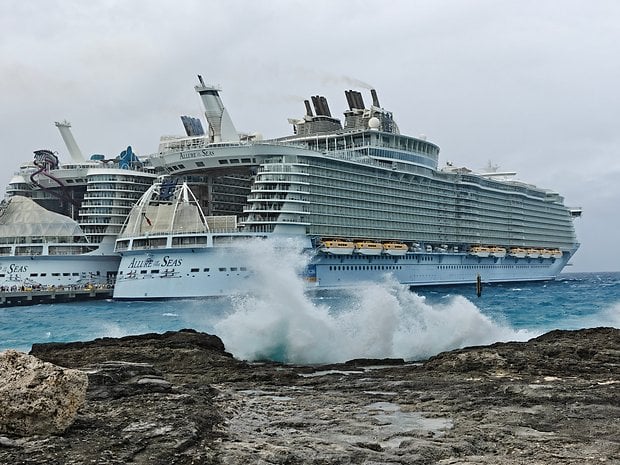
(37, 397)
(179, 398)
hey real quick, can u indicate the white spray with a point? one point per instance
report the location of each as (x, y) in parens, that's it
(280, 321)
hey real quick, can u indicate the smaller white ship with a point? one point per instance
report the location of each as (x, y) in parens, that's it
(59, 220)
(40, 249)
(169, 248)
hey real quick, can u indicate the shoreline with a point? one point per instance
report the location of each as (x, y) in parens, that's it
(179, 397)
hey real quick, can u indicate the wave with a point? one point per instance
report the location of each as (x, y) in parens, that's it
(608, 316)
(281, 321)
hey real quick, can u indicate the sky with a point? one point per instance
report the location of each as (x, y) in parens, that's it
(527, 86)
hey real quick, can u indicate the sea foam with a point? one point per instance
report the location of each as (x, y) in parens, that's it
(282, 321)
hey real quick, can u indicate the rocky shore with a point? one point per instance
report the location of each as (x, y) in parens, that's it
(180, 398)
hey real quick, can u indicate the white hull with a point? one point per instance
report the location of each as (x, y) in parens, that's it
(45, 271)
(211, 271)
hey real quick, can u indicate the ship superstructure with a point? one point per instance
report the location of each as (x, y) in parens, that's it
(367, 200)
(92, 197)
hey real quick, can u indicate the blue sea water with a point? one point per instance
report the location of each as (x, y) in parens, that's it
(379, 320)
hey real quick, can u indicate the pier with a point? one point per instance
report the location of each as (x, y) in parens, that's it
(14, 298)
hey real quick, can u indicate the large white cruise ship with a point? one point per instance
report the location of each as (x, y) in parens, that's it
(59, 221)
(363, 199)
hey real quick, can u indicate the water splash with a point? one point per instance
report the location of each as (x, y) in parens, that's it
(608, 316)
(280, 321)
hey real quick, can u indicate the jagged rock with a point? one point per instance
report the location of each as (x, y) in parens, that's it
(179, 398)
(593, 351)
(37, 397)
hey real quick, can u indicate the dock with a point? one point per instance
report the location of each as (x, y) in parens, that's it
(48, 296)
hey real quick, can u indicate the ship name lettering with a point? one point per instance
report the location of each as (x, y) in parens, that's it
(168, 261)
(14, 268)
(135, 263)
(206, 153)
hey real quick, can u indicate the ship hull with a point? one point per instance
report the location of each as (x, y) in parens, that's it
(46, 271)
(211, 272)
(430, 269)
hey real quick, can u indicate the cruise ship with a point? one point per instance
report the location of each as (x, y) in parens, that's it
(362, 200)
(59, 221)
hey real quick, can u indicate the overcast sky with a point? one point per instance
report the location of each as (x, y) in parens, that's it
(530, 86)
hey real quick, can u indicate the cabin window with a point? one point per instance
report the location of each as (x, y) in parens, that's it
(194, 270)
(223, 162)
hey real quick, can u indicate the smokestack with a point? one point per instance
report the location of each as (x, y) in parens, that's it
(375, 99)
(317, 105)
(325, 106)
(347, 94)
(308, 108)
(359, 101)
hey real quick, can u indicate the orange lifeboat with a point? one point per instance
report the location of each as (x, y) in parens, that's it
(337, 247)
(395, 248)
(368, 248)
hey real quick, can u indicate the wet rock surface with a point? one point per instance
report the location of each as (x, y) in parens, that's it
(179, 398)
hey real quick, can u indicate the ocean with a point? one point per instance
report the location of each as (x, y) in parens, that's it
(378, 320)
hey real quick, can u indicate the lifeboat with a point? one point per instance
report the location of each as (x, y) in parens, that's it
(337, 247)
(480, 251)
(395, 248)
(545, 253)
(533, 253)
(518, 252)
(498, 252)
(368, 248)
(557, 253)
